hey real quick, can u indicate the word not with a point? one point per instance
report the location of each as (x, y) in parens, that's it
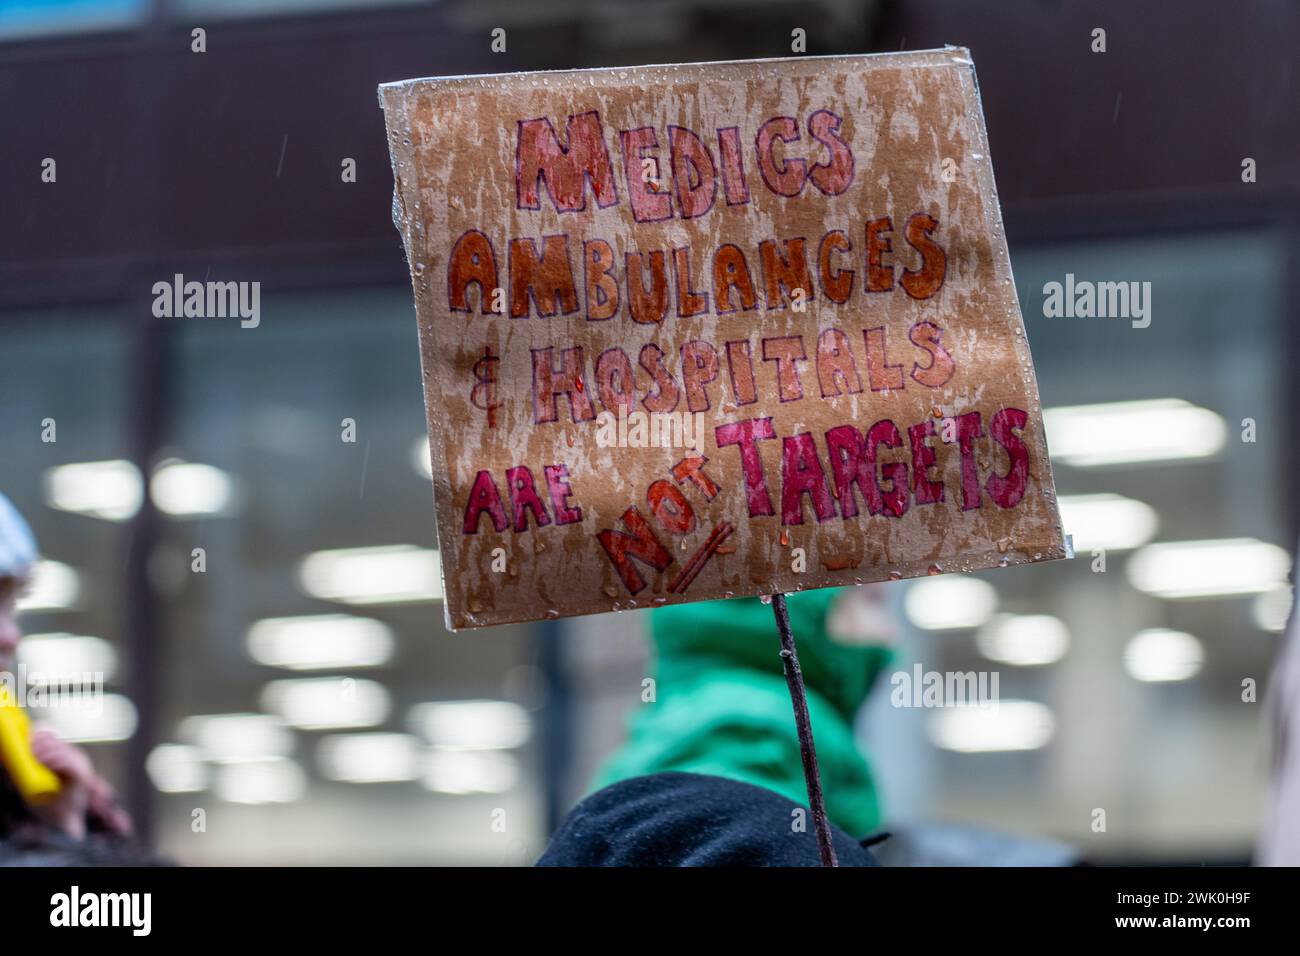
(208, 300)
(1102, 300)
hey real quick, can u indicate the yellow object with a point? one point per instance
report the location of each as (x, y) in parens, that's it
(36, 782)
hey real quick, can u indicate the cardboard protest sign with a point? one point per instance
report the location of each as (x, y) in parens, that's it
(703, 331)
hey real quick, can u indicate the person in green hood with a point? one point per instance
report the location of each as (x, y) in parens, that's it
(722, 706)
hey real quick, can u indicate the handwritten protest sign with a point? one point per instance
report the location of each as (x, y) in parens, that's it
(703, 331)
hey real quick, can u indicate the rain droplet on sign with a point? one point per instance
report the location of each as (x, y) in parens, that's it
(895, 575)
(765, 598)
(934, 569)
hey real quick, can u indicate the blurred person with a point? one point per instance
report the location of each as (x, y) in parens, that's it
(85, 809)
(711, 772)
(1279, 844)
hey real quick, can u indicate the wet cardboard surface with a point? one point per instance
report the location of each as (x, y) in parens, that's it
(787, 278)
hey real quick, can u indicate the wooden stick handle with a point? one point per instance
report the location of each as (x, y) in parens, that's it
(798, 697)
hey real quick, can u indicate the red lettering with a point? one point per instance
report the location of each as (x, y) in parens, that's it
(565, 170)
(801, 473)
(1007, 490)
(547, 279)
(557, 485)
(648, 204)
(694, 173)
(524, 498)
(641, 545)
(670, 506)
(699, 368)
(833, 176)
(484, 497)
(783, 177)
(602, 285)
(837, 285)
(925, 490)
(549, 381)
(968, 429)
(747, 434)
(925, 281)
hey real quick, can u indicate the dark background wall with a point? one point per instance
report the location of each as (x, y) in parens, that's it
(169, 157)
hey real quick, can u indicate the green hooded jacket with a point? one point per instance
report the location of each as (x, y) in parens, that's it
(722, 706)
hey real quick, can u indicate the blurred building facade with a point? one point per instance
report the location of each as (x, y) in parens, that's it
(202, 507)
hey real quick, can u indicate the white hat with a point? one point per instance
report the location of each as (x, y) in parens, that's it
(17, 546)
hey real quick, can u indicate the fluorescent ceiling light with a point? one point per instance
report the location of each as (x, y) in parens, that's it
(1272, 609)
(1214, 568)
(66, 656)
(230, 738)
(1006, 725)
(186, 490)
(176, 768)
(54, 587)
(1107, 522)
(320, 642)
(88, 717)
(470, 771)
(1122, 433)
(268, 780)
(420, 458)
(327, 703)
(1025, 640)
(1159, 654)
(472, 724)
(369, 758)
(391, 574)
(111, 490)
(949, 602)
